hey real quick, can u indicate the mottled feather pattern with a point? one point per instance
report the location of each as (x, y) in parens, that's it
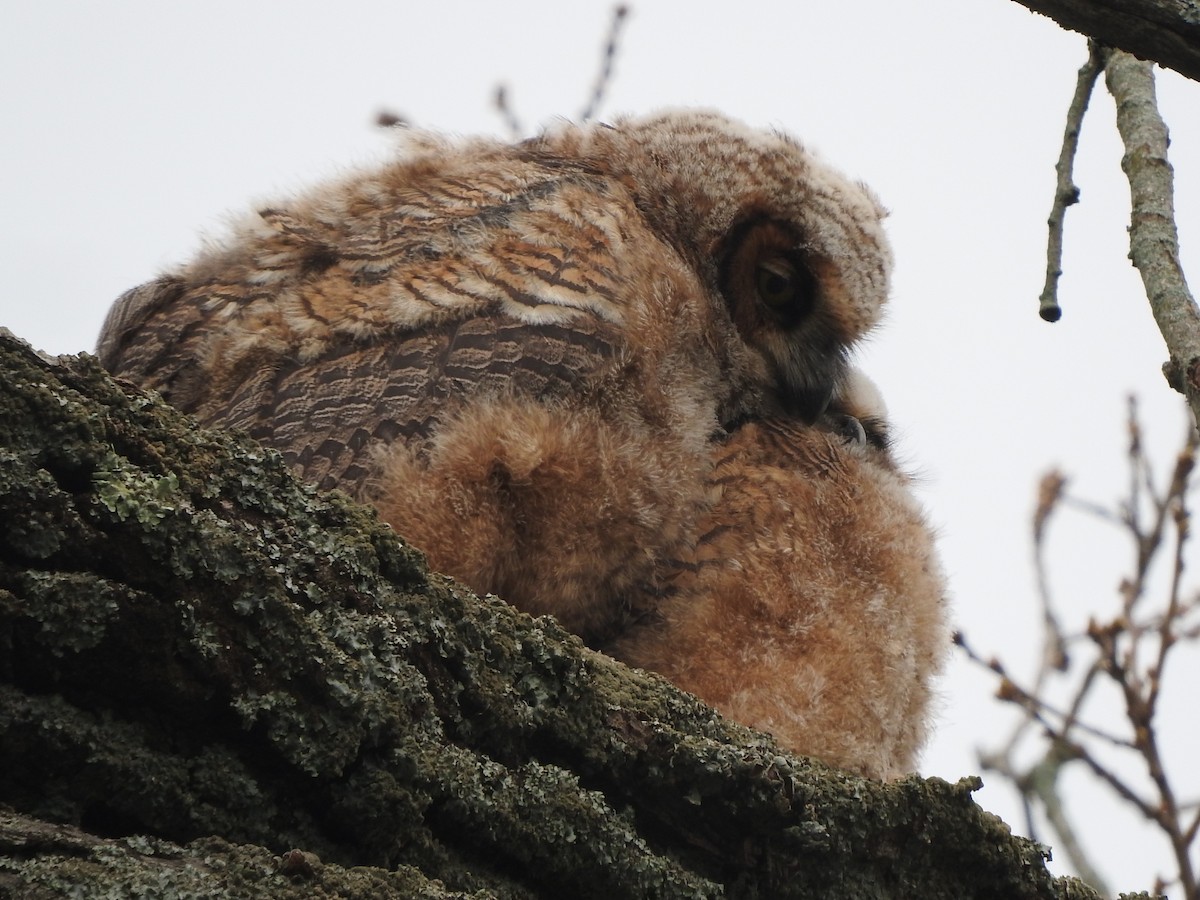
(604, 373)
(318, 412)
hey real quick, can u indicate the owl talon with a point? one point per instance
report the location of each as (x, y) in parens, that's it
(850, 428)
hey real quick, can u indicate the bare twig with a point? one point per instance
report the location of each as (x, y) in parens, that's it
(1118, 785)
(1165, 813)
(1130, 650)
(604, 78)
(1042, 782)
(1066, 193)
(1153, 239)
(1167, 638)
(1189, 834)
(612, 45)
(1054, 648)
(504, 108)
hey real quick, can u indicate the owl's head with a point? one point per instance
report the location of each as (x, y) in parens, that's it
(794, 251)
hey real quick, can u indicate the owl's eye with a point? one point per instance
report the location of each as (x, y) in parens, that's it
(778, 283)
(785, 286)
(767, 278)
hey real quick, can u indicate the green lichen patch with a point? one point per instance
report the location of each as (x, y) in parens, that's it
(39, 861)
(192, 644)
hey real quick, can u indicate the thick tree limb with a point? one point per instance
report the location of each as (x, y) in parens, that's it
(1153, 237)
(1165, 31)
(193, 644)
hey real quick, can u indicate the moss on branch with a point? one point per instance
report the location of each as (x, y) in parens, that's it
(205, 665)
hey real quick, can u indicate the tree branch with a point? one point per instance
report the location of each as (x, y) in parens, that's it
(608, 59)
(192, 643)
(1166, 31)
(1065, 192)
(1113, 652)
(1153, 239)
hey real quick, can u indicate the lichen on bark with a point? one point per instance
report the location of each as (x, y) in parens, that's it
(205, 664)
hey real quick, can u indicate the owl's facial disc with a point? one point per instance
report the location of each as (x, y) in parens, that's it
(777, 302)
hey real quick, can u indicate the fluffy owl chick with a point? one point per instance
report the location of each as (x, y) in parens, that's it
(521, 353)
(812, 604)
(727, 268)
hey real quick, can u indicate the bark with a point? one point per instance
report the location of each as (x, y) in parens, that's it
(205, 665)
(1153, 235)
(1165, 31)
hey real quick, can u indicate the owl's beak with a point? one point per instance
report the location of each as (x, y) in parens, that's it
(808, 402)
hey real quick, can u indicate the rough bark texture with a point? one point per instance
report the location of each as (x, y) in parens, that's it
(1165, 31)
(205, 665)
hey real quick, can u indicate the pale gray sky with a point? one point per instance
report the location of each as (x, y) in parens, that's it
(132, 129)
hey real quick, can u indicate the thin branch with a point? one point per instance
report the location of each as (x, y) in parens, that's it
(1066, 193)
(1120, 788)
(500, 100)
(1039, 710)
(1035, 707)
(1131, 650)
(1167, 637)
(1054, 652)
(1043, 781)
(1142, 706)
(1135, 483)
(604, 78)
(1147, 543)
(1096, 510)
(1153, 238)
(612, 45)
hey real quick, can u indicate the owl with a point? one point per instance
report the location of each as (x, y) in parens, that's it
(602, 373)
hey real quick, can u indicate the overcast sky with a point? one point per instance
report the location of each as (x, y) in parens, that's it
(134, 129)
